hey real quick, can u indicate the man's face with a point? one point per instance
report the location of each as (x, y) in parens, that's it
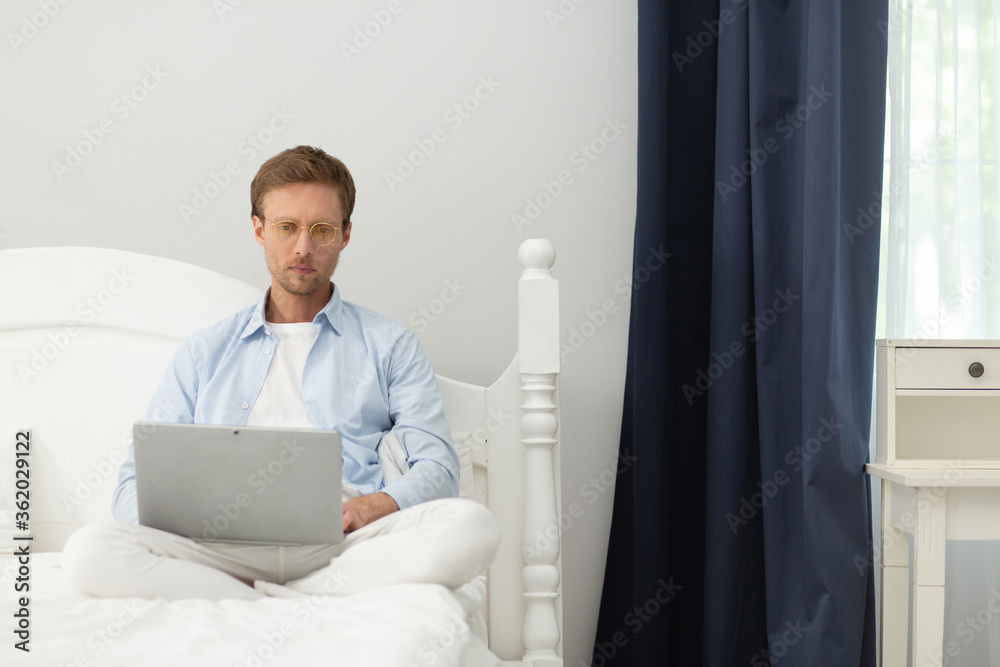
(300, 266)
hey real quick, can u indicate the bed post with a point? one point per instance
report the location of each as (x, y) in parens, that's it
(538, 365)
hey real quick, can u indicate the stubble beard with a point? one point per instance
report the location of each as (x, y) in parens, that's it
(293, 283)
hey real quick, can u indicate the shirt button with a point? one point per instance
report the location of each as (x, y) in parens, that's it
(267, 351)
(267, 331)
(246, 405)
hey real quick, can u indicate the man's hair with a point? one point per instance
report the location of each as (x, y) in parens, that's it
(302, 164)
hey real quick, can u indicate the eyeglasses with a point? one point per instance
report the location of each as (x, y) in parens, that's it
(322, 233)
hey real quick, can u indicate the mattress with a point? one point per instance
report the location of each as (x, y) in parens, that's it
(409, 625)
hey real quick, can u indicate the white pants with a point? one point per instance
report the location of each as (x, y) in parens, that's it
(447, 541)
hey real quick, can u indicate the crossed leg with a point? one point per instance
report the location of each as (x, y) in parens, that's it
(447, 542)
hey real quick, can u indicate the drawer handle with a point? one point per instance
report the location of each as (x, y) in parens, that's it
(976, 370)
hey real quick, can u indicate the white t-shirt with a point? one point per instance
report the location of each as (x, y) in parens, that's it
(280, 400)
(280, 403)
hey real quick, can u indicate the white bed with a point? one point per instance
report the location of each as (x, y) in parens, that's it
(84, 336)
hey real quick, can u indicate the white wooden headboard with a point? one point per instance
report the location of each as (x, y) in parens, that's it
(85, 334)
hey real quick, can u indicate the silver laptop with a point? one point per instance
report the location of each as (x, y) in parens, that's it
(240, 483)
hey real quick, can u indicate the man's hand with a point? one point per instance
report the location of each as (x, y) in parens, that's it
(361, 511)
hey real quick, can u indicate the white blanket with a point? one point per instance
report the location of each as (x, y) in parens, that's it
(406, 625)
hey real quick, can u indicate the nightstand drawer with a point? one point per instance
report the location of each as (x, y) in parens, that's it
(947, 368)
(948, 426)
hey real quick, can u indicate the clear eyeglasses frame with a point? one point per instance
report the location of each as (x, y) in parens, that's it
(322, 233)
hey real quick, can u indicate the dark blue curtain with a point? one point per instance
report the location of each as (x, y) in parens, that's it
(742, 533)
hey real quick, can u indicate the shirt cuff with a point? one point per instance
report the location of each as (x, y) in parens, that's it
(403, 494)
(426, 480)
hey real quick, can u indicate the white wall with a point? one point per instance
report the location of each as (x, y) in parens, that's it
(231, 74)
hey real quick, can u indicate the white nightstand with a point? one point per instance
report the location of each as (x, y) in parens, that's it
(938, 455)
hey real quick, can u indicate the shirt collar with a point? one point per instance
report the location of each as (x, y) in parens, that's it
(333, 312)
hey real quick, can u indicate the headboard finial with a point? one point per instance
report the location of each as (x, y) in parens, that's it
(536, 256)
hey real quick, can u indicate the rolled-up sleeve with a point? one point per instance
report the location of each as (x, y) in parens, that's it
(417, 412)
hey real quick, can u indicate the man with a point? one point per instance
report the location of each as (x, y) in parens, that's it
(302, 357)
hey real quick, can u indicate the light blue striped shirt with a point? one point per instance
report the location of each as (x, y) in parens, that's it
(364, 375)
